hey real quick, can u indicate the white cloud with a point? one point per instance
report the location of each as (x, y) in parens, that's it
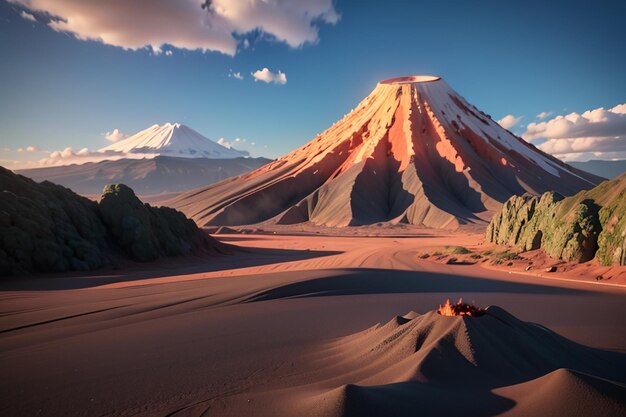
(224, 142)
(586, 156)
(543, 115)
(186, 24)
(236, 75)
(168, 53)
(240, 144)
(70, 155)
(28, 16)
(65, 153)
(115, 135)
(29, 148)
(598, 134)
(509, 121)
(619, 109)
(268, 76)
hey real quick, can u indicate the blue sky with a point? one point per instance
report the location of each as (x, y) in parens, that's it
(505, 57)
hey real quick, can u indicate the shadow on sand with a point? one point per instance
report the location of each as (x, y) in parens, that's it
(135, 271)
(353, 281)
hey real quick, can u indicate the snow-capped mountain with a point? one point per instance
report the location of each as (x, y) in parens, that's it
(160, 159)
(414, 151)
(172, 139)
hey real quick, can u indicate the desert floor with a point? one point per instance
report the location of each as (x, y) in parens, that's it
(250, 334)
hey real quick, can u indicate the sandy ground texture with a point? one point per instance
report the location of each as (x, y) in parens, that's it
(318, 324)
(533, 263)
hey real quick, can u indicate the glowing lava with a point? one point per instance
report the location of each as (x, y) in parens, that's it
(459, 309)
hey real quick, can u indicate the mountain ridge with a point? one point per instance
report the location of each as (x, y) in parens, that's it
(602, 168)
(161, 174)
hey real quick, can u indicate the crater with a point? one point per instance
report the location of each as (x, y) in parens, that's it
(412, 79)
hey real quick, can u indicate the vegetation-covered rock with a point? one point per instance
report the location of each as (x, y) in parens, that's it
(612, 240)
(144, 232)
(45, 227)
(590, 223)
(48, 228)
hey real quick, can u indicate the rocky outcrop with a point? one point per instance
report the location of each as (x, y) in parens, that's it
(45, 227)
(587, 225)
(145, 232)
(612, 240)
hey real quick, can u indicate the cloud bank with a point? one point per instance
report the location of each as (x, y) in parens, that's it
(594, 134)
(29, 148)
(206, 25)
(268, 76)
(69, 156)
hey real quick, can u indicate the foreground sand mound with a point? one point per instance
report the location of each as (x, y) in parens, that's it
(489, 365)
(413, 151)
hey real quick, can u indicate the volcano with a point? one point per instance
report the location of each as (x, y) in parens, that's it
(413, 151)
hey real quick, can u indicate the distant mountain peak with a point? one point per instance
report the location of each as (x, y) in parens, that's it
(173, 139)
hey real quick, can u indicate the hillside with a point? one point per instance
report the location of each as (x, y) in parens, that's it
(589, 224)
(48, 228)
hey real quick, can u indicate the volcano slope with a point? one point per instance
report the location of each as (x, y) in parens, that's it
(413, 151)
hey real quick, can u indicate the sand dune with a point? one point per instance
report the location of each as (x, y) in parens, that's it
(490, 365)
